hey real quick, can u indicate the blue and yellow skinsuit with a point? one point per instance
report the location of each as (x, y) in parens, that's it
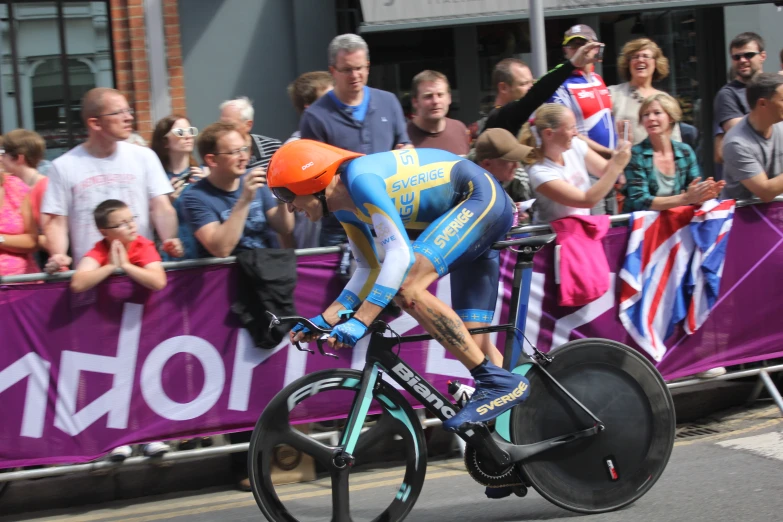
(459, 208)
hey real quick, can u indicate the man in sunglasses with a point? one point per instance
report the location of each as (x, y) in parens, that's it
(105, 167)
(231, 210)
(747, 55)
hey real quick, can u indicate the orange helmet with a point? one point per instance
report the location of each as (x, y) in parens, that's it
(304, 167)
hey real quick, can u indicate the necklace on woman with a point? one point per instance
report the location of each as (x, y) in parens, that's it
(635, 94)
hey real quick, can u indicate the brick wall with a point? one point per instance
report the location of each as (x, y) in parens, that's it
(130, 58)
(174, 57)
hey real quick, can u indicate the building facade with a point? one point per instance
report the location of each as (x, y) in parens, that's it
(53, 52)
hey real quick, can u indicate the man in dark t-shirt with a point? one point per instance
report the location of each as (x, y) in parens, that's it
(731, 104)
(231, 210)
(430, 128)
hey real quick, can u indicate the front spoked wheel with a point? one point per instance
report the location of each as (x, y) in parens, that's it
(618, 465)
(342, 491)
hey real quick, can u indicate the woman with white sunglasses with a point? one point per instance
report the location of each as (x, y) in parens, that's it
(173, 141)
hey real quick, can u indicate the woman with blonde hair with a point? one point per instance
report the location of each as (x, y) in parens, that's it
(663, 173)
(560, 166)
(641, 62)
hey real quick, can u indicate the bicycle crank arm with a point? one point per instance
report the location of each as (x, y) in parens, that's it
(525, 451)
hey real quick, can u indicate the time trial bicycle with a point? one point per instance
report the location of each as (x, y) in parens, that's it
(594, 435)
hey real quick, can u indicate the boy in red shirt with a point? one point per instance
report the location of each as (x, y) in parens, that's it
(121, 247)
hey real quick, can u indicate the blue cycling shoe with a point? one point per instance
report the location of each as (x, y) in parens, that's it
(497, 390)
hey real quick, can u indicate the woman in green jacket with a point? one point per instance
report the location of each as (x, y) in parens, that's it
(663, 173)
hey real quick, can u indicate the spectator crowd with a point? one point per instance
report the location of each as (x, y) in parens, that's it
(567, 141)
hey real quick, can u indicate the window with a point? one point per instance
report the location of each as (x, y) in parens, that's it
(52, 53)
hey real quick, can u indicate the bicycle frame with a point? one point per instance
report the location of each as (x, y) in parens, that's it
(381, 357)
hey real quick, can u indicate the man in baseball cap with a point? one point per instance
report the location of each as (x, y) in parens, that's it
(585, 32)
(586, 94)
(499, 153)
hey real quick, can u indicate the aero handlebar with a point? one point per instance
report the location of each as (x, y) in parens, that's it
(277, 321)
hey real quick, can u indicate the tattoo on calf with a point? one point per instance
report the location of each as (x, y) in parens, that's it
(448, 330)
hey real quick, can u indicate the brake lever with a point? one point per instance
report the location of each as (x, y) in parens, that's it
(320, 342)
(299, 347)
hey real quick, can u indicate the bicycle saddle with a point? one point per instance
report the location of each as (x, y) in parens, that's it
(535, 243)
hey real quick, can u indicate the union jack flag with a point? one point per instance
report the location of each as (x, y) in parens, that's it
(671, 255)
(710, 229)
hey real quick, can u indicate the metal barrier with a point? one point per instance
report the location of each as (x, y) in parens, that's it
(193, 263)
(765, 381)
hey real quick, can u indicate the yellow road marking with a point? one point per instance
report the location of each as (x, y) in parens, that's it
(209, 505)
(372, 485)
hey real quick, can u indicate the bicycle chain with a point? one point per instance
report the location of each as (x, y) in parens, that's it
(489, 479)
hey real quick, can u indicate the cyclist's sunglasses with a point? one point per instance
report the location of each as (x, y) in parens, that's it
(184, 131)
(283, 194)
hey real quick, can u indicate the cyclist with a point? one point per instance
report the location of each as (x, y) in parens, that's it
(460, 209)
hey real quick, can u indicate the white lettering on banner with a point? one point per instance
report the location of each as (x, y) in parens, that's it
(116, 401)
(246, 358)
(566, 324)
(534, 311)
(152, 378)
(296, 363)
(33, 367)
(588, 313)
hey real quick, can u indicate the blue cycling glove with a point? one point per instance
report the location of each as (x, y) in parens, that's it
(349, 332)
(318, 321)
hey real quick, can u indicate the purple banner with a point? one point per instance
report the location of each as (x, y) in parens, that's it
(82, 374)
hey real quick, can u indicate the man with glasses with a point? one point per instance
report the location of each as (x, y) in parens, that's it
(747, 55)
(105, 167)
(231, 210)
(353, 116)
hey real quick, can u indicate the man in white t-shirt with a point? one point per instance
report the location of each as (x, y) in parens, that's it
(105, 167)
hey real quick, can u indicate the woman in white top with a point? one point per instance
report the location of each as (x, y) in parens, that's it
(558, 171)
(641, 62)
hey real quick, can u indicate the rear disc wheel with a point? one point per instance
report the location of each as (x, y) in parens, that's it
(615, 467)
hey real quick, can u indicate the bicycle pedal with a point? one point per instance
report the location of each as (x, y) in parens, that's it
(520, 491)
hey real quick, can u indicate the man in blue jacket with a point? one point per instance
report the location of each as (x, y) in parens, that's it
(353, 116)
